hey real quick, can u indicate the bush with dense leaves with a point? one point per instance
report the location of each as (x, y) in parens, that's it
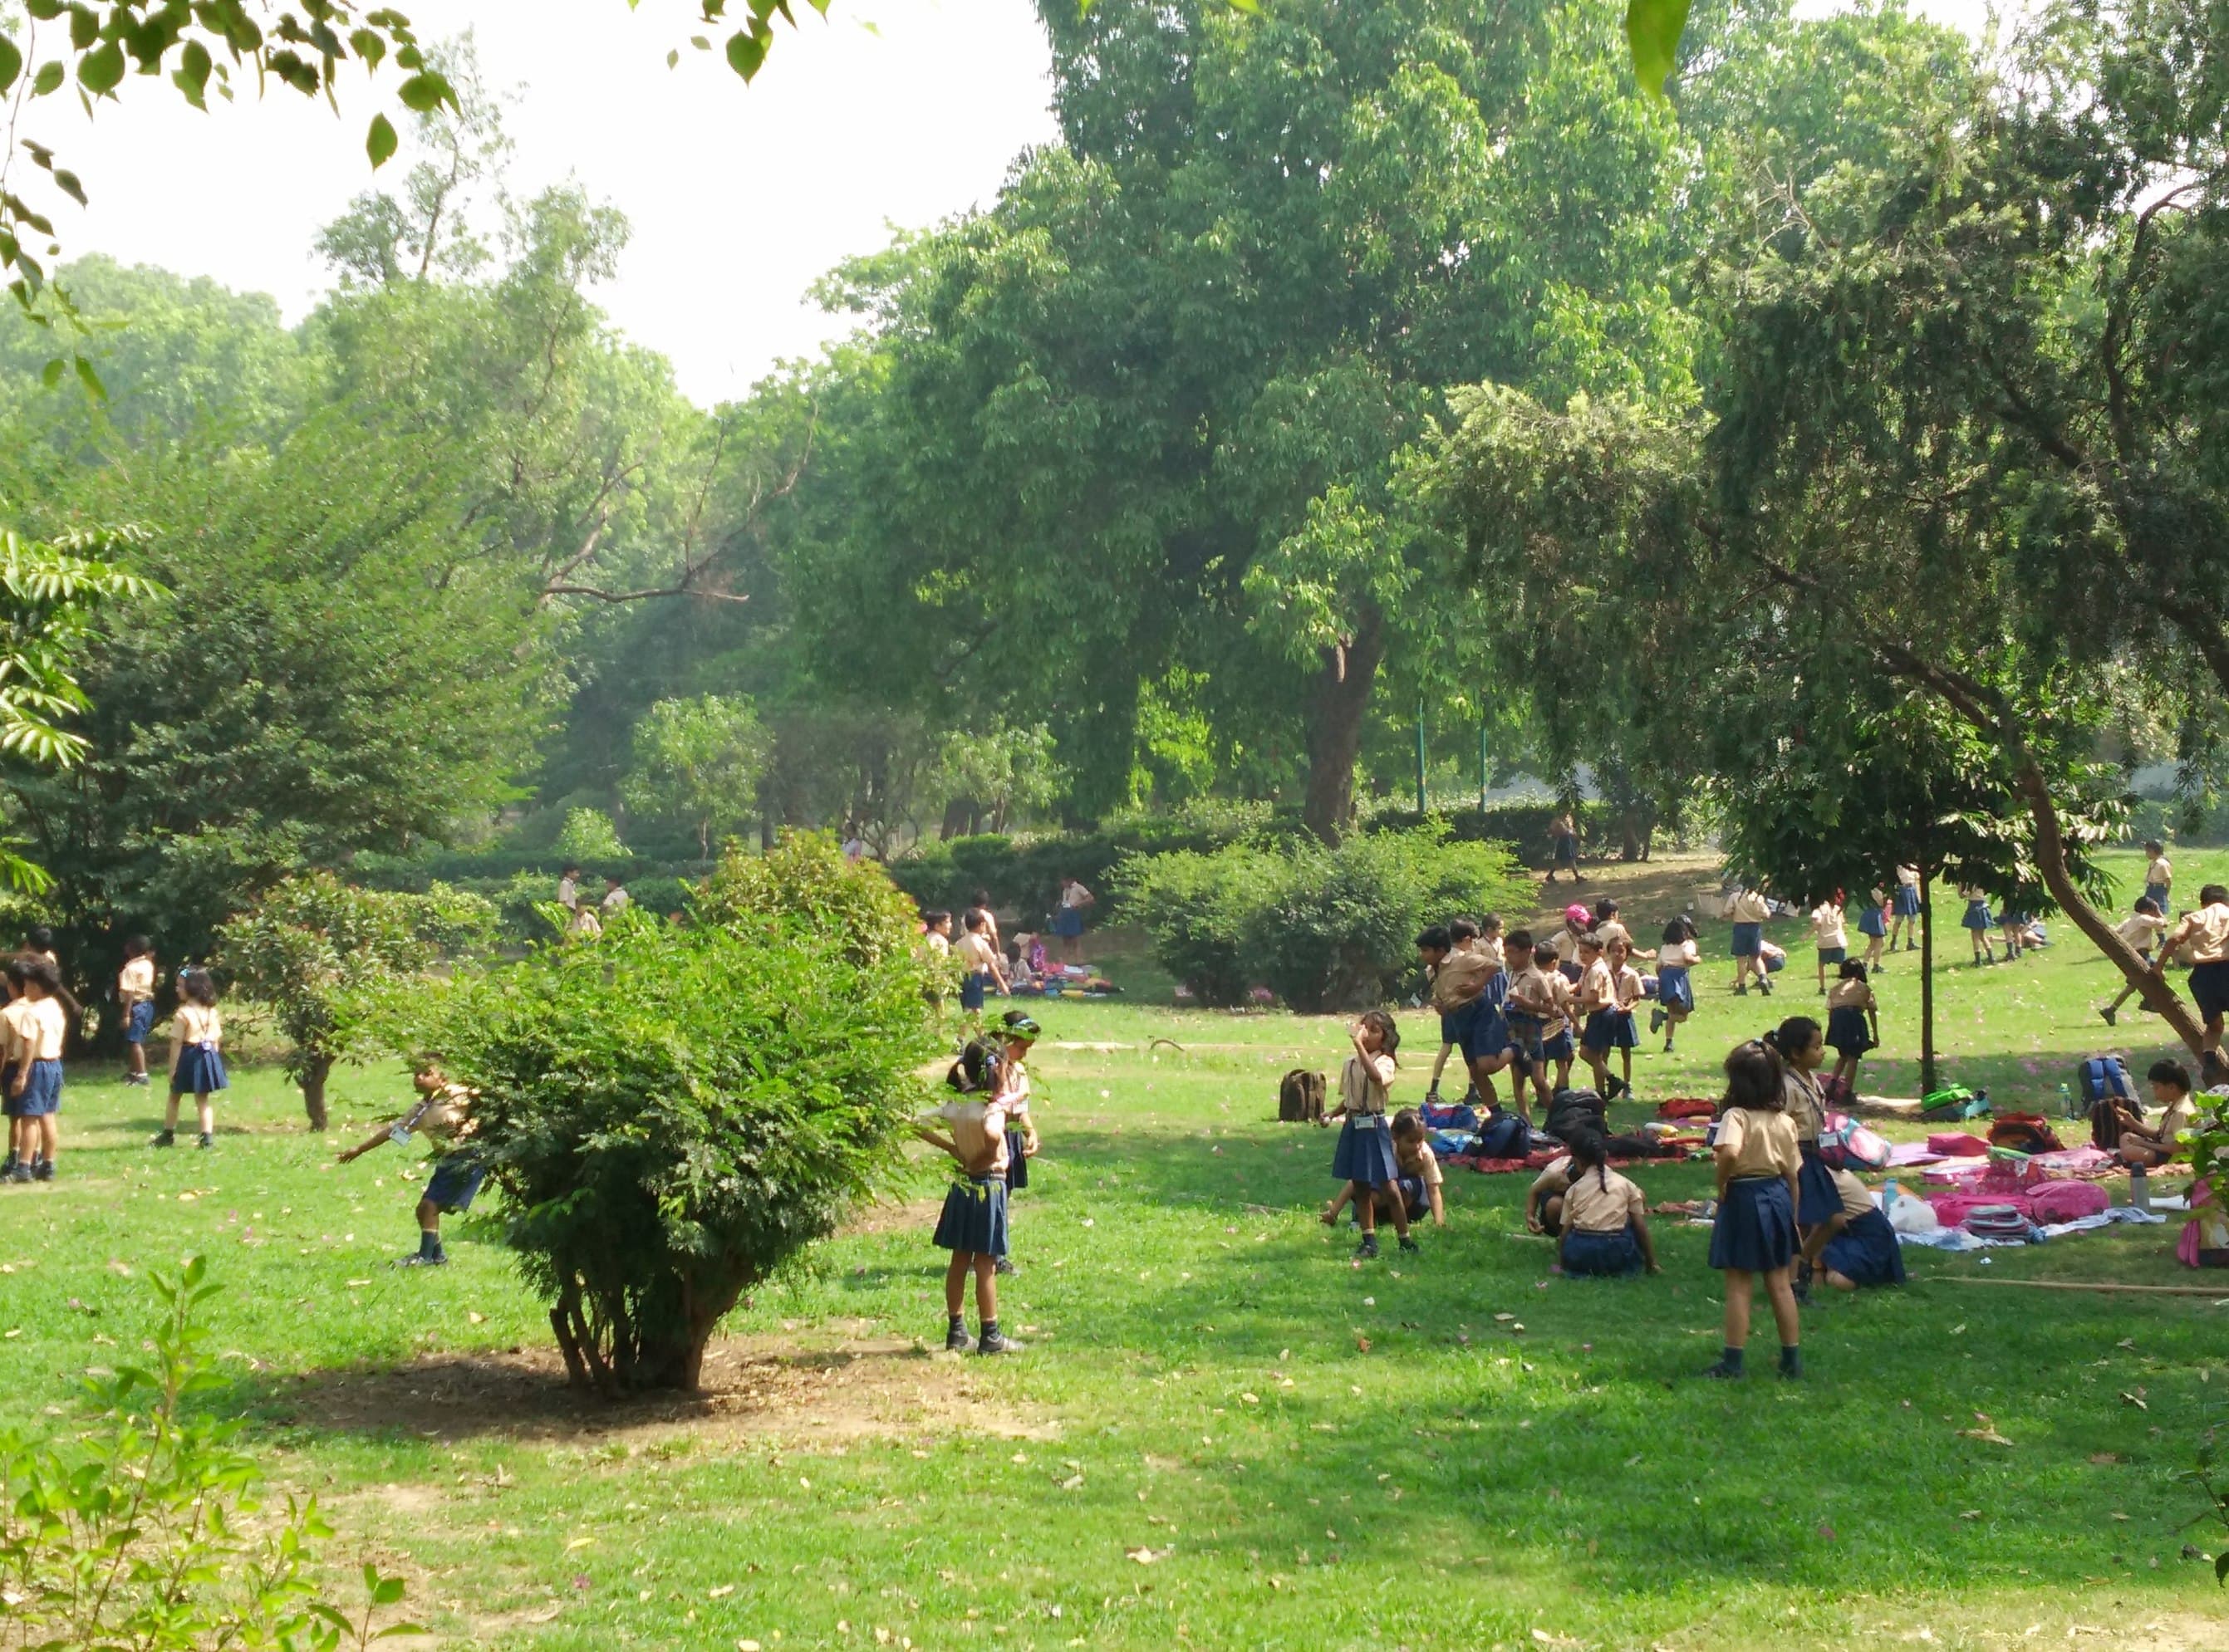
(1323, 927)
(672, 1113)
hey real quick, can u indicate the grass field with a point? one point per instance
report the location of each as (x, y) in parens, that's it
(1221, 1433)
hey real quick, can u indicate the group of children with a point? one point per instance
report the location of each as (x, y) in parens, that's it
(991, 1136)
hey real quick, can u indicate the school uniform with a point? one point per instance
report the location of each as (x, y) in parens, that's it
(1527, 1025)
(977, 958)
(2159, 880)
(43, 1027)
(1459, 982)
(973, 1219)
(1977, 916)
(1597, 1000)
(1017, 1088)
(1609, 931)
(135, 992)
(1907, 892)
(460, 1171)
(15, 1020)
(1675, 989)
(1419, 1174)
(199, 1032)
(1866, 1252)
(1555, 1040)
(1364, 1153)
(1068, 920)
(1748, 912)
(1815, 1182)
(1849, 1032)
(2142, 932)
(1625, 983)
(1871, 924)
(1755, 1230)
(2208, 942)
(1554, 1180)
(1566, 943)
(1828, 932)
(1600, 1209)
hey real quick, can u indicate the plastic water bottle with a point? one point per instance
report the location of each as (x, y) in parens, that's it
(2065, 1100)
(2140, 1187)
(1889, 1191)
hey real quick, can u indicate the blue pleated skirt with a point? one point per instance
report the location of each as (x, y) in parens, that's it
(1610, 1029)
(1869, 922)
(1558, 1048)
(1018, 1167)
(1364, 1153)
(201, 1071)
(1817, 1199)
(973, 1220)
(1674, 989)
(1907, 901)
(1866, 1253)
(1977, 916)
(1756, 1228)
(1602, 1254)
(1848, 1031)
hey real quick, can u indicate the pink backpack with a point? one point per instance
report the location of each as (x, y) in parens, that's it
(1846, 1144)
(1957, 1144)
(2066, 1202)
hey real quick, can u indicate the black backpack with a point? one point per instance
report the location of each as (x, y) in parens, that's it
(1300, 1097)
(1571, 1111)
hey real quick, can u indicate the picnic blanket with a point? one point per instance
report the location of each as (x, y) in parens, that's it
(1540, 1160)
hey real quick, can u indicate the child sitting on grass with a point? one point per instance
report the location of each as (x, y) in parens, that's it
(1418, 1186)
(2144, 1146)
(444, 1112)
(1604, 1219)
(1858, 1247)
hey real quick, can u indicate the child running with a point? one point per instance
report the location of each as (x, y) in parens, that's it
(135, 998)
(1754, 1235)
(1676, 962)
(1853, 1022)
(2141, 930)
(972, 1223)
(1365, 1155)
(1977, 923)
(1604, 1219)
(42, 1014)
(444, 1112)
(197, 1057)
(1017, 1032)
(1456, 973)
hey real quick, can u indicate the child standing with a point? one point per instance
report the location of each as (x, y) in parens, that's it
(1829, 935)
(1625, 983)
(1873, 924)
(1530, 1007)
(1754, 1235)
(196, 1056)
(2159, 877)
(1853, 1022)
(1597, 1003)
(972, 1223)
(1676, 961)
(1558, 1042)
(1456, 976)
(1604, 1220)
(2012, 932)
(1749, 909)
(1906, 918)
(1577, 920)
(1977, 923)
(1365, 1155)
(135, 997)
(444, 1112)
(2141, 930)
(979, 957)
(1017, 1032)
(22, 1134)
(42, 1017)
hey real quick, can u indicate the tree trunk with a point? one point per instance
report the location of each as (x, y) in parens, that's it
(1629, 835)
(955, 822)
(1928, 1085)
(316, 1069)
(1340, 699)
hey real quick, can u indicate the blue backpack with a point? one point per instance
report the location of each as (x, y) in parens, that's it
(2106, 1078)
(1503, 1136)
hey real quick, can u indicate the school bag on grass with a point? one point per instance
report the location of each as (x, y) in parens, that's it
(1503, 1136)
(1436, 1115)
(1300, 1097)
(2101, 1078)
(1846, 1144)
(1954, 1101)
(2025, 1133)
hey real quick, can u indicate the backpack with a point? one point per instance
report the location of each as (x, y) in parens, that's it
(1503, 1136)
(1846, 1144)
(1953, 1102)
(2101, 1078)
(1570, 1112)
(1300, 1097)
(2025, 1133)
(1441, 1115)
(977, 1069)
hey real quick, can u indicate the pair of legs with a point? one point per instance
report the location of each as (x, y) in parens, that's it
(1672, 1016)
(1390, 1207)
(204, 1116)
(1904, 925)
(1875, 945)
(33, 1141)
(1981, 952)
(135, 1056)
(1364, 1195)
(1750, 964)
(1598, 1060)
(2009, 936)
(1846, 1069)
(1482, 1069)
(1741, 1285)
(986, 1270)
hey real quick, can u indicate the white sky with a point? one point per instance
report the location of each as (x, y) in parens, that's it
(739, 197)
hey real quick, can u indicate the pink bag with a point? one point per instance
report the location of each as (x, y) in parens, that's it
(1957, 1144)
(1954, 1208)
(2066, 1202)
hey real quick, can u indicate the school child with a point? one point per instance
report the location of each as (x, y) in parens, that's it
(1564, 848)
(1558, 1042)
(2141, 930)
(41, 944)
(2012, 932)
(1602, 1022)
(2146, 1145)
(1457, 976)
(1859, 1247)
(1829, 935)
(1754, 1235)
(979, 957)
(1543, 1200)
(1749, 909)
(1873, 924)
(15, 1023)
(135, 998)
(1977, 923)
(1365, 1155)
(2159, 876)
(972, 1223)
(1481, 935)
(568, 887)
(1676, 961)
(1418, 1187)
(1853, 1022)
(1529, 1008)
(1017, 1032)
(444, 1112)
(42, 1015)
(1904, 919)
(1604, 1220)
(196, 1056)
(1802, 1052)
(1625, 983)
(980, 902)
(2202, 936)
(587, 927)
(1606, 927)
(1577, 920)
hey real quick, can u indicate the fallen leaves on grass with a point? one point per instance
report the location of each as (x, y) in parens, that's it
(2134, 1400)
(1145, 1557)
(1984, 1431)
(1362, 1345)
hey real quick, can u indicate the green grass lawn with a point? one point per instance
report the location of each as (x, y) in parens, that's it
(1222, 1433)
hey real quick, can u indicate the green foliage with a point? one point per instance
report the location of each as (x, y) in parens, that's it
(1023, 874)
(149, 1530)
(698, 762)
(588, 834)
(674, 1113)
(1324, 926)
(312, 946)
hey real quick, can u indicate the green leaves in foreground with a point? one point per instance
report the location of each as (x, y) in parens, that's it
(1652, 28)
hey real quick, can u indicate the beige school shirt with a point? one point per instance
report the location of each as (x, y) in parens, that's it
(1856, 1201)
(1850, 995)
(1491, 945)
(1600, 1204)
(1626, 983)
(43, 1026)
(2141, 930)
(1827, 925)
(1362, 1085)
(197, 1024)
(15, 1023)
(1750, 908)
(977, 1127)
(1460, 976)
(1558, 1020)
(975, 952)
(1609, 931)
(2208, 934)
(2159, 872)
(1908, 876)
(1419, 1161)
(135, 983)
(443, 1115)
(1805, 1109)
(1762, 1143)
(1597, 987)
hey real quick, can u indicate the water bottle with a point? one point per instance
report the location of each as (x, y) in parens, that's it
(2140, 1187)
(2065, 1100)
(1888, 1195)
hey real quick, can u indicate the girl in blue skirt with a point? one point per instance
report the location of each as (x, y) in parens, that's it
(1364, 1158)
(1802, 1052)
(1755, 1232)
(1977, 923)
(972, 1223)
(1853, 1022)
(1873, 924)
(1859, 1247)
(1904, 912)
(1675, 988)
(40, 1019)
(1018, 1031)
(1605, 1220)
(196, 1056)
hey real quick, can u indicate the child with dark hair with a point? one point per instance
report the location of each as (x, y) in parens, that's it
(196, 1056)
(1676, 962)
(1017, 1032)
(2203, 937)
(1603, 1023)
(41, 1016)
(1454, 990)
(2159, 875)
(1559, 1044)
(1754, 1236)
(444, 1112)
(1853, 1022)
(1604, 1219)
(972, 1223)
(1857, 1247)
(2141, 930)
(1873, 924)
(1802, 1052)
(1606, 927)
(135, 1000)
(1365, 1155)
(1417, 1188)
(2144, 1145)
(1977, 923)
(1528, 1006)
(979, 958)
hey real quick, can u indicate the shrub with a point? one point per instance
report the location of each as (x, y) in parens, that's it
(1323, 928)
(673, 1113)
(312, 943)
(148, 1531)
(589, 834)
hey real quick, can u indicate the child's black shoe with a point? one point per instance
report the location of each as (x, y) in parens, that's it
(165, 1138)
(1410, 1245)
(994, 1340)
(1005, 1265)
(43, 1170)
(956, 1339)
(1724, 1373)
(1368, 1249)
(438, 1260)
(208, 1141)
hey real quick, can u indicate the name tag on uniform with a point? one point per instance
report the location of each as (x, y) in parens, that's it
(400, 1134)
